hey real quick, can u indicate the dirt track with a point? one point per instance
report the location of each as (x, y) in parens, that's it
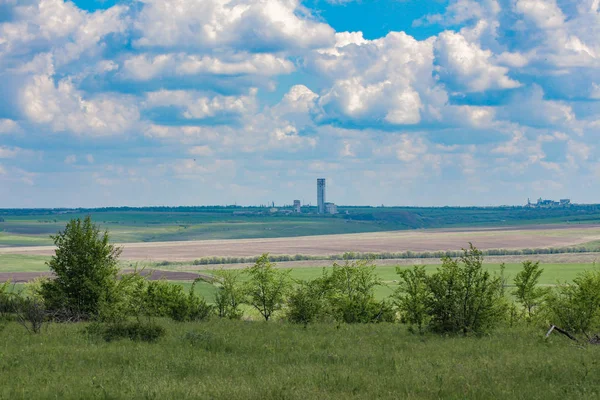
(418, 241)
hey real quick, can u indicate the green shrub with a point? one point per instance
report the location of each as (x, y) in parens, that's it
(165, 299)
(464, 297)
(306, 302)
(460, 297)
(576, 307)
(6, 300)
(126, 299)
(135, 296)
(413, 296)
(350, 292)
(132, 330)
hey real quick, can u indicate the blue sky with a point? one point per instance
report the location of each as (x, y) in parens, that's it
(395, 102)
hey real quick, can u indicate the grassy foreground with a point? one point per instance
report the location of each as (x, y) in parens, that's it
(251, 360)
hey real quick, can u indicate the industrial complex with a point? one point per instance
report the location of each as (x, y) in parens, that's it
(541, 203)
(323, 207)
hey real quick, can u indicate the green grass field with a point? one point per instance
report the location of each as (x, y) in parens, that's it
(223, 359)
(22, 263)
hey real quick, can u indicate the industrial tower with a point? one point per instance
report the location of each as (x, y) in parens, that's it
(321, 195)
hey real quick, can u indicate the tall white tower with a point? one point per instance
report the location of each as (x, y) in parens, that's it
(321, 195)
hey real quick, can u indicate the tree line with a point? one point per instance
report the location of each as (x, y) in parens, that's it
(216, 260)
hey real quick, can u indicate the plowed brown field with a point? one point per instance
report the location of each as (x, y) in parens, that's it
(398, 241)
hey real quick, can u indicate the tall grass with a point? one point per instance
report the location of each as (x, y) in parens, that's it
(251, 360)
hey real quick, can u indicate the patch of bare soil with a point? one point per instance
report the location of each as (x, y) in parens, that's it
(377, 242)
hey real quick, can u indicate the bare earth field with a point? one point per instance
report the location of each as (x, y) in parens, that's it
(418, 241)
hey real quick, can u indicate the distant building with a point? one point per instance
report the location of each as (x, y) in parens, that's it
(297, 206)
(321, 195)
(544, 203)
(330, 208)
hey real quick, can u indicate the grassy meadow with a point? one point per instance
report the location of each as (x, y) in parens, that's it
(222, 359)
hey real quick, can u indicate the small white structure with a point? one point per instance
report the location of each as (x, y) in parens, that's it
(330, 208)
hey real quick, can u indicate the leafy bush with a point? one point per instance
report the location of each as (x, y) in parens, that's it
(135, 296)
(164, 299)
(307, 301)
(460, 297)
(464, 297)
(351, 293)
(6, 300)
(413, 296)
(132, 330)
(85, 265)
(576, 307)
(126, 299)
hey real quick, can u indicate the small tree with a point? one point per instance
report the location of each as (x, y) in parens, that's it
(229, 294)
(85, 265)
(267, 287)
(527, 292)
(413, 296)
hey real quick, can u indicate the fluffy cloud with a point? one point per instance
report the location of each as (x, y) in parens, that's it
(562, 40)
(374, 82)
(260, 25)
(64, 108)
(197, 105)
(468, 67)
(58, 27)
(145, 67)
